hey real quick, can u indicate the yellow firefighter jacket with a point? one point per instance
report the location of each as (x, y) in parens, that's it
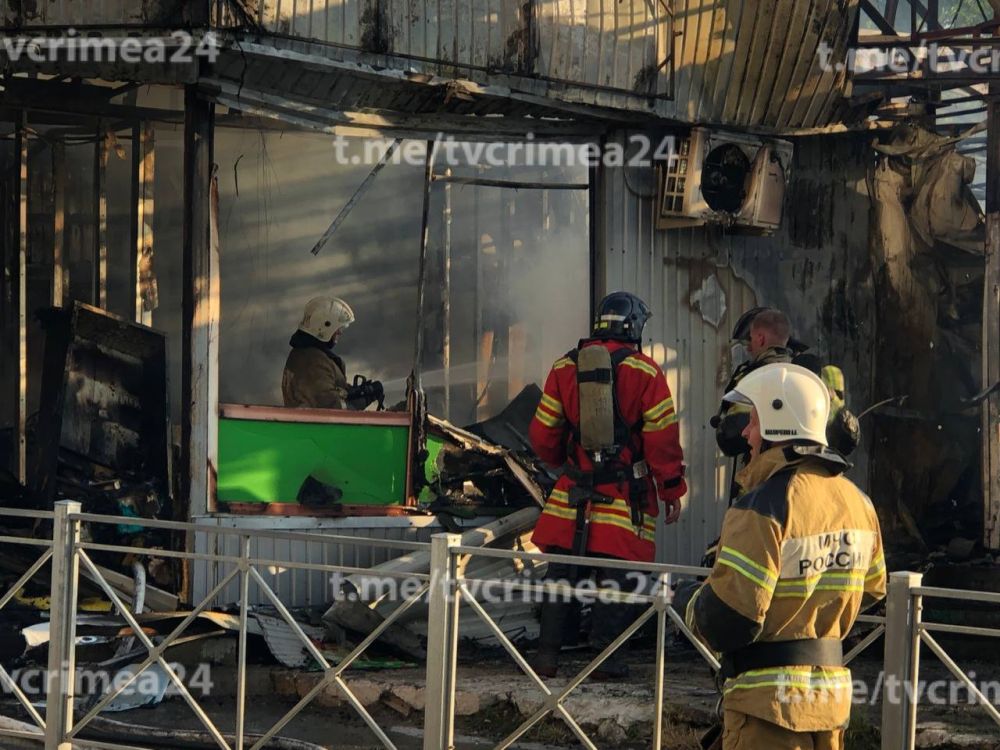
(799, 557)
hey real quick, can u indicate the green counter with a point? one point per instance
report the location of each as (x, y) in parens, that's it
(267, 461)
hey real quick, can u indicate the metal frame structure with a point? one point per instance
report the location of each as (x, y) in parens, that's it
(71, 556)
(446, 587)
(450, 588)
(906, 632)
(48, 547)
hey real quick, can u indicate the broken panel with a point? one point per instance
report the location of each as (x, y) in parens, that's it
(104, 397)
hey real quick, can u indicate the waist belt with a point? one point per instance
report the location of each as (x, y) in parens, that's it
(608, 475)
(815, 652)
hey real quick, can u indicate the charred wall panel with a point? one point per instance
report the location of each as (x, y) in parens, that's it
(104, 389)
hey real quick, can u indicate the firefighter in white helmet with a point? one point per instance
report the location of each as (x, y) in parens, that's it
(800, 556)
(314, 376)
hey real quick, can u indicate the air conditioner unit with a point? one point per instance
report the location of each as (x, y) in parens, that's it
(715, 177)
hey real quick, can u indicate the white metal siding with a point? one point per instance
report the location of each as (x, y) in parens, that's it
(298, 588)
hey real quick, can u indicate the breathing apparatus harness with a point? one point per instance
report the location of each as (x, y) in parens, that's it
(603, 433)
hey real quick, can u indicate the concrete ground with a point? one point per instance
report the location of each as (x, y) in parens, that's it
(493, 698)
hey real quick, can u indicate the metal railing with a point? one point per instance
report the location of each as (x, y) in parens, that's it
(906, 632)
(47, 547)
(446, 588)
(71, 555)
(450, 588)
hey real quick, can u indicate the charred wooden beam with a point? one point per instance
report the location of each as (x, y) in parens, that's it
(877, 18)
(199, 382)
(100, 268)
(59, 280)
(143, 165)
(20, 294)
(991, 333)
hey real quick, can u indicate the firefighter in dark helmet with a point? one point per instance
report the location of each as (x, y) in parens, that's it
(607, 417)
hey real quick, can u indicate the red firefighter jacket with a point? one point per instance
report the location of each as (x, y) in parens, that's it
(645, 402)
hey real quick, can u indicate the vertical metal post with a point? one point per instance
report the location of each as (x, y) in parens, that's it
(446, 299)
(902, 663)
(61, 676)
(21, 307)
(663, 590)
(241, 664)
(418, 363)
(442, 645)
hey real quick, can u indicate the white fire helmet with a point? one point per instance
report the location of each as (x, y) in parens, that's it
(792, 402)
(324, 316)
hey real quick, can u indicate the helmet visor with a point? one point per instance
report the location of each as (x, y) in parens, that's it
(735, 397)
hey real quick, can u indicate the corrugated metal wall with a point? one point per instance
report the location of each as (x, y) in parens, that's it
(299, 588)
(738, 62)
(600, 42)
(759, 63)
(815, 268)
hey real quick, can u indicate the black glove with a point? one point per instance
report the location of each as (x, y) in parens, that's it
(683, 594)
(365, 392)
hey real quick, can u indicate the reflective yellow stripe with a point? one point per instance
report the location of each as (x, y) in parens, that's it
(557, 507)
(564, 362)
(651, 415)
(831, 580)
(555, 510)
(792, 677)
(661, 424)
(547, 419)
(638, 364)
(877, 569)
(747, 568)
(552, 404)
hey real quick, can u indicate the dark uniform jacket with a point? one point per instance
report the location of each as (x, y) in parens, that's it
(314, 377)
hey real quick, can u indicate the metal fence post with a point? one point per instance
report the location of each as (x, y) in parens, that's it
(442, 645)
(61, 676)
(902, 662)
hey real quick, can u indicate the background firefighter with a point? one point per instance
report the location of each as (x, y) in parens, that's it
(766, 334)
(608, 418)
(314, 376)
(800, 556)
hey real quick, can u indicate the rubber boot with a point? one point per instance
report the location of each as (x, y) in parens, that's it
(552, 618)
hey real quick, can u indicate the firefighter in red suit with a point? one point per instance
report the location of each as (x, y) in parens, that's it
(607, 417)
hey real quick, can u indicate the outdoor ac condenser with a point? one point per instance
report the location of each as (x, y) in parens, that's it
(716, 177)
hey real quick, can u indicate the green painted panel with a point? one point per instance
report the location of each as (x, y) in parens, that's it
(264, 462)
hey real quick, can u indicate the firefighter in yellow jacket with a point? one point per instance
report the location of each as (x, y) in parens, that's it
(800, 557)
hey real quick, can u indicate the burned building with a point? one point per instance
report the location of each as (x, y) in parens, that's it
(201, 194)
